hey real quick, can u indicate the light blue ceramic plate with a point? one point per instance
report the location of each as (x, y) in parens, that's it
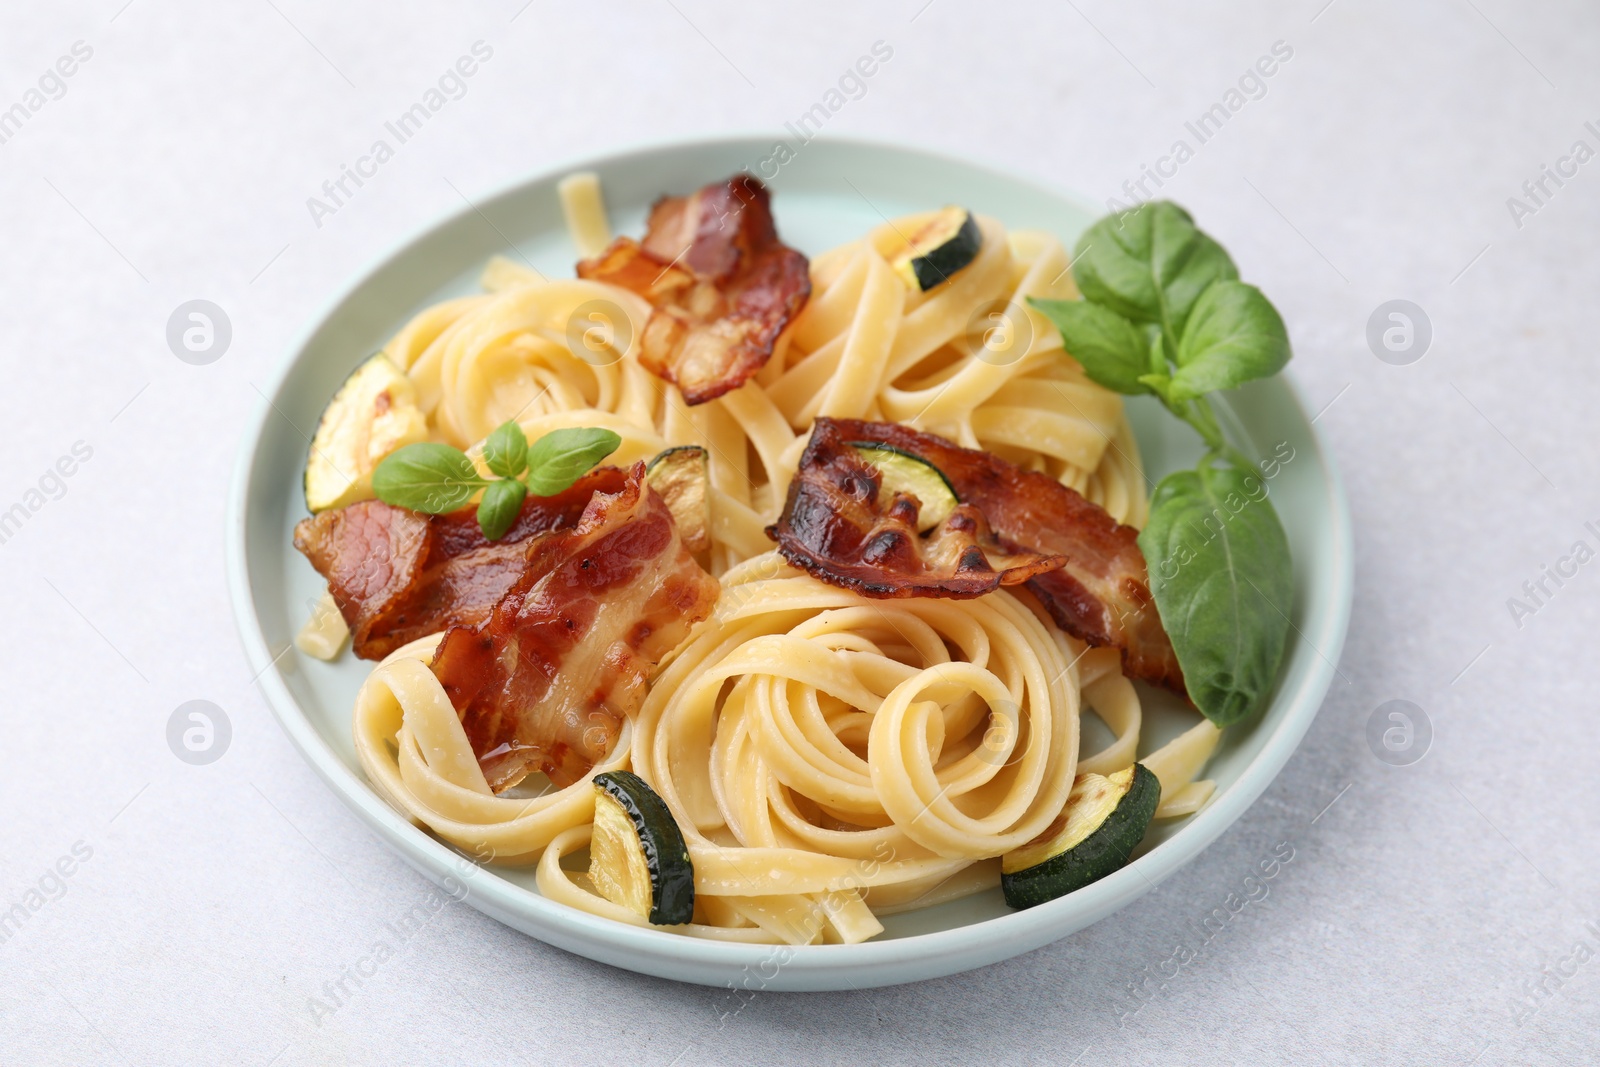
(830, 192)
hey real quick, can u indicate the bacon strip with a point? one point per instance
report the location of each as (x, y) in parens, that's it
(721, 285)
(545, 683)
(398, 575)
(835, 526)
(1099, 594)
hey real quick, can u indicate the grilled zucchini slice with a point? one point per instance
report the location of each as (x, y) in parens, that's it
(945, 244)
(902, 472)
(373, 413)
(682, 476)
(637, 856)
(1105, 817)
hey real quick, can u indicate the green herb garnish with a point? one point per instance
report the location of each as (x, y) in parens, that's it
(1164, 313)
(505, 452)
(560, 458)
(500, 506)
(435, 478)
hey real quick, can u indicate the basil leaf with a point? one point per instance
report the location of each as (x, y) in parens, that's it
(506, 450)
(427, 477)
(1149, 264)
(1112, 351)
(561, 457)
(1234, 335)
(1223, 582)
(500, 506)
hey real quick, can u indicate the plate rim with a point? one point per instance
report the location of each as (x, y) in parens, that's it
(914, 957)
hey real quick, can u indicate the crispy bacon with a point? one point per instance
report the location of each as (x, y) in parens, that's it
(1099, 594)
(398, 575)
(546, 681)
(722, 287)
(835, 526)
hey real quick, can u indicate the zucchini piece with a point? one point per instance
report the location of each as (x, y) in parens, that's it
(1105, 817)
(901, 472)
(945, 244)
(682, 475)
(373, 413)
(637, 857)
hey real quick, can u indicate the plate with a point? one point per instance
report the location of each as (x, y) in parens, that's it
(828, 192)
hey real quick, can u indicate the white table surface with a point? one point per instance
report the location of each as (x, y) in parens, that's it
(1420, 909)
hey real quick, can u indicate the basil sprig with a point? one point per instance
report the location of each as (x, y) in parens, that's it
(435, 478)
(1164, 314)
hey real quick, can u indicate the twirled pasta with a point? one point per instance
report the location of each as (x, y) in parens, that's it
(415, 752)
(876, 745)
(822, 752)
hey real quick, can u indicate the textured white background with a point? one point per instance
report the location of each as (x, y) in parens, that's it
(1418, 908)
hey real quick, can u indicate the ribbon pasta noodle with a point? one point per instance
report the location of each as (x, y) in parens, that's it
(829, 758)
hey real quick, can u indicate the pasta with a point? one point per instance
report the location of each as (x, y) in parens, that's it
(830, 758)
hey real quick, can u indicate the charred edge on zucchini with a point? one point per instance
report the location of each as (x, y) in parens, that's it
(683, 478)
(374, 413)
(1105, 818)
(945, 244)
(901, 472)
(637, 856)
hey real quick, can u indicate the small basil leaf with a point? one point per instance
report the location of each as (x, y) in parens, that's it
(506, 451)
(1234, 335)
(561, 457)
(1112, 351)
(500, 506)
(427, 477)
(1223, 582)
(1149, 264)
